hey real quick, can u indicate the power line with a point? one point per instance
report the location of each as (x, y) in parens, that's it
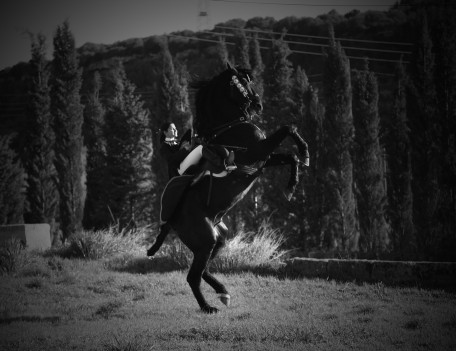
(294, 51)
(320, 45)
(196, 38)
(315, 36)
(298, 4)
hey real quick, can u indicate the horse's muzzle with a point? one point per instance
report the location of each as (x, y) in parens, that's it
(256, 106)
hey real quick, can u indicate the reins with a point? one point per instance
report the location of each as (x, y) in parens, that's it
(227, 126)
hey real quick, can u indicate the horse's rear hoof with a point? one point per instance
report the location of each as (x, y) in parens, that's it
(209, 310)
(150, 253)
(225, 298)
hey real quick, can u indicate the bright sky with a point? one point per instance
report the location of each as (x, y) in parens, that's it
(108, 21)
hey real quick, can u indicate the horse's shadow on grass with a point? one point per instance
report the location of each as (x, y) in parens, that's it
(164, 264)
(144, 265)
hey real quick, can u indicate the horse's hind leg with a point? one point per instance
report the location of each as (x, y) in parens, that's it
(210, 279)
(197, 271)
(202, 241)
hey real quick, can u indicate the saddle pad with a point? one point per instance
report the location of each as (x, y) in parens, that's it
(172, 195)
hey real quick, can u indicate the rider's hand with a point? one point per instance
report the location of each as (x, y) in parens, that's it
(185, 145)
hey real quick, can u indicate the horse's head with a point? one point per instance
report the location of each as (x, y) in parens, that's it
(226, 98)
(242, 92)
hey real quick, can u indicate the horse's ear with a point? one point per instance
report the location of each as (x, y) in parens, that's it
(232, 68)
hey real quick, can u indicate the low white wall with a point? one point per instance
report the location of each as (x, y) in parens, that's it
(34, 236)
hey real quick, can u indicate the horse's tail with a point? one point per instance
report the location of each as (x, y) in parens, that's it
(164, 230)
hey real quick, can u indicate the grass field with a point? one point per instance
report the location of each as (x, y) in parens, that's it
(131, 303)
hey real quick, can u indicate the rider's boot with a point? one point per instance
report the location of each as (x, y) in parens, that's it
(220, 161)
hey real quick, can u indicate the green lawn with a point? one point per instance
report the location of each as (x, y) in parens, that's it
(72, 304)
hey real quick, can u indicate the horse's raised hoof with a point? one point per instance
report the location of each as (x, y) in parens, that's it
(209, 310)
(225, 298)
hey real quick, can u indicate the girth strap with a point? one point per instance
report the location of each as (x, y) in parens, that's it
(247, 170)
(208, 201)
(241, 169)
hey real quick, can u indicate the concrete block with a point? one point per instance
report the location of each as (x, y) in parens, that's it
(397, 273)
(307, 267)
(349, 270)
(34, 236)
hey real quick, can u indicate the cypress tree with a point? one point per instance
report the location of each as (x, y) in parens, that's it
(172, 105)
(400, 197)
(182, 99)
(278, 81)
(241, 51)
(369, 174)
(173, 101)
(277, 85)
(308, 114)
(339, 227)
(42, 195)
(11, 184)
(167, 84)
(445, 73)
(96, 214)
(68, 118)
(425, 139)
(256, 64)
(129, 153)
(222, 53)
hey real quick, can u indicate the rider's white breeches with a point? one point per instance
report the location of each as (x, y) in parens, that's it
(192, 159)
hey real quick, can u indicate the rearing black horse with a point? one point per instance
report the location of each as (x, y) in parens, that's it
(225, 106)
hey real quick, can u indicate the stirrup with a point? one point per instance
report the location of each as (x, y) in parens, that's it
(230, 168)
(229, 162)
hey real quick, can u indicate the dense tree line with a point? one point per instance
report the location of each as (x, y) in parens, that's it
(382, 177)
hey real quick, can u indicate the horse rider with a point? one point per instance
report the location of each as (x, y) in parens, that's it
(180, 157)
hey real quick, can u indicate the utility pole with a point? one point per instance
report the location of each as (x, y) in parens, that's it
(203, 15)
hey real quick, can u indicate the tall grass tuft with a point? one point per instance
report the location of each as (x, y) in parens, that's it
(246, 250)
(105, 243)
(13, 256)
(249, 250)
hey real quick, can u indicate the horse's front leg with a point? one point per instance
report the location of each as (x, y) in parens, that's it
(286, 159)
(267, 146)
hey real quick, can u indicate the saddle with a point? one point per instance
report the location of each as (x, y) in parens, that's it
(216, 162)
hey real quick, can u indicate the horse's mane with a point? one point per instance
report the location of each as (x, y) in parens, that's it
(200, 120)
(204, 90)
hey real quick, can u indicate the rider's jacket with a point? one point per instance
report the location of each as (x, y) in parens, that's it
(173, 154)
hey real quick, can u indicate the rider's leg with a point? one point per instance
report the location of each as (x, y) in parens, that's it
(219, 157)
(192, 159)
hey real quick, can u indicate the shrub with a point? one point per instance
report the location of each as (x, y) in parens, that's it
(105, 243)
(246, 250)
